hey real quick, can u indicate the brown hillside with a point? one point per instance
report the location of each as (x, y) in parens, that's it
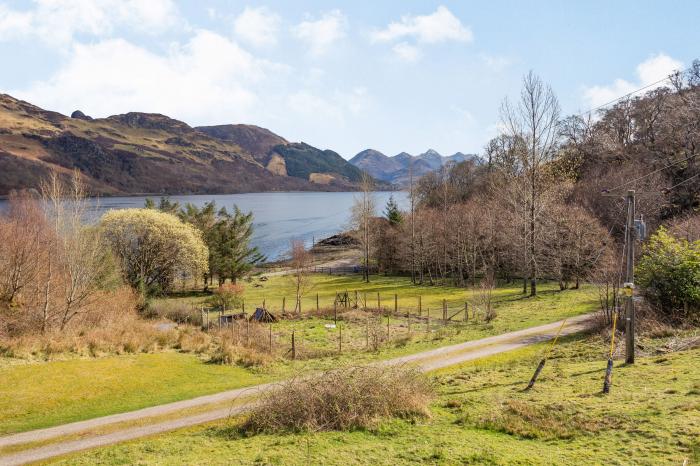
(135, 153)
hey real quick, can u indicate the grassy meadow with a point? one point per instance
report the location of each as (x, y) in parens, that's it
(482, 416)
(37, 394)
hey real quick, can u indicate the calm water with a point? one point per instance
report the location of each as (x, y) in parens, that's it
(278, 217)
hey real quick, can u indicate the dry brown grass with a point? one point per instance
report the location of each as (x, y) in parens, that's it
(114, 328)
(242, 343)
(227, 352)
(342, 399)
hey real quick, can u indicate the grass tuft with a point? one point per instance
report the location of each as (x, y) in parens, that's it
(541, 421)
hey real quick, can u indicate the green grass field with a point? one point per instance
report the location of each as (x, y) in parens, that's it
(482, 416)
(42, 394)
(515, 311)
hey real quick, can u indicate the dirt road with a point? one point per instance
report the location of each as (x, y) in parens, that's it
(427, 361)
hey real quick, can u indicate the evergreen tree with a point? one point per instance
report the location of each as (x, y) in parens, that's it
(392, 212)
(233, 256)
(227, 235)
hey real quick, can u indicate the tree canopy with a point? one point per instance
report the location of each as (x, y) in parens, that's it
(226, 234)
(154, 247)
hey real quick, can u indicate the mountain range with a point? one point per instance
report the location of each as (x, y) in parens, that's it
(397, 169)
(150, 153)
(135, 153)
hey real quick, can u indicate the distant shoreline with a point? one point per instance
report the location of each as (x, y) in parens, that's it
(4, 197)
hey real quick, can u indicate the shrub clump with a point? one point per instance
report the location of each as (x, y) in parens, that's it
(342, 399)
(669, 273)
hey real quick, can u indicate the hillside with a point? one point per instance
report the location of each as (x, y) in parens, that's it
(255, 140)
(152, 153)
(303, 160)
(397, 169)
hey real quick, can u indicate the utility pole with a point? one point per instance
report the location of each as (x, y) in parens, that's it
(629, 280)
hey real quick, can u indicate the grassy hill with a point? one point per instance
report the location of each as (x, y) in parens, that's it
(152, 153)
(302, 160)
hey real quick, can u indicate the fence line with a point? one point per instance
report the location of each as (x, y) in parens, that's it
(389, 318)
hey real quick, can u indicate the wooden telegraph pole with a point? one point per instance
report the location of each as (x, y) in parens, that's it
(629, 280)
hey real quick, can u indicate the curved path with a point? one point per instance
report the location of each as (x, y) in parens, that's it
(426, 360)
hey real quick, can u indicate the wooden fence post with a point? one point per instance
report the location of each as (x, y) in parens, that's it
(294, 349)
(283, 302)
(396, 303)
(420, 305)
(427, 322)
(367, 334)
(357, 305)
(317, 307)
(243, 304)
(335, 313)
(466, 311)
(379, 301)
(340, 339)
(444, 311)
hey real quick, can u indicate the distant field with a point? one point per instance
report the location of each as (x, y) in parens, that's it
(481, 416)
(549, 302)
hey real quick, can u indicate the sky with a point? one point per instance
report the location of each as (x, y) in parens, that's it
(392, 76)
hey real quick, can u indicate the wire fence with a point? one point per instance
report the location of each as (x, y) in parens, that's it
(350, 321)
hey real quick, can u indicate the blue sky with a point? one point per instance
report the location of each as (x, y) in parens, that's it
(393, 76)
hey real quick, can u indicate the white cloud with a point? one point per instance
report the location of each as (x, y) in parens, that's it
(650, 71)
(322, 33)
(56, 22)
(495, 62)
(205, 80)
(440, 26)
(407, 52)
(322, 111)
(257, 26)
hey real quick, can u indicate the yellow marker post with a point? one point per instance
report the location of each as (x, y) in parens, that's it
(540, 366)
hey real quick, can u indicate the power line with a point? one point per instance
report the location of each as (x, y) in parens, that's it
(651, 173)
(682, 182)
(632, 92)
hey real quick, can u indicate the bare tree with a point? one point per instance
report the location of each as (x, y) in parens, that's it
(534, 118)
(23, 233)
(300, 259)
(79, 256)
(412, 196)
(363, 211)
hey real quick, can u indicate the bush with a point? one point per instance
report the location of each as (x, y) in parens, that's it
(177, 311)
(342, 399)
(227, 297)
(669, 273)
